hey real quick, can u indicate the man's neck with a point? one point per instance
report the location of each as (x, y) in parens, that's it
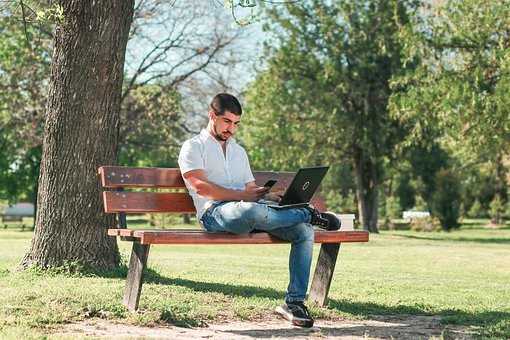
(210, 130)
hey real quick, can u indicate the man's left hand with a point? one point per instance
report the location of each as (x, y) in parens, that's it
(274, 196)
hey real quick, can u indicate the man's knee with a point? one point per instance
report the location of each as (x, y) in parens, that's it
(304, 233)
(247, 213)
(253, 212)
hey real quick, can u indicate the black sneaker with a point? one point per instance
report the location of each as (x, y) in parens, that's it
(297, 313)
(333, 221)
(324, 220)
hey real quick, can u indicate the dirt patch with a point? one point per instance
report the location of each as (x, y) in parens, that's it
(397, 327)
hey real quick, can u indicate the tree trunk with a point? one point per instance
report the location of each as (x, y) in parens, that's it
(366, 190)
(80, 133)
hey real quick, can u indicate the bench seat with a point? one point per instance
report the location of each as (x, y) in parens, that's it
(195, 236)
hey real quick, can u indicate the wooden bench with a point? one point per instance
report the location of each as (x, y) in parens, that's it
(124, 202)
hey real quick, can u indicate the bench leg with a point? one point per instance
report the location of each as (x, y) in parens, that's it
(137, 264)
(323, 273)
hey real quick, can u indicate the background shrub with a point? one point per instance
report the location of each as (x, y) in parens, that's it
(446, 199)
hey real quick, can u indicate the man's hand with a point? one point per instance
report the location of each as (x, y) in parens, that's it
(254, 193)
(274, 196)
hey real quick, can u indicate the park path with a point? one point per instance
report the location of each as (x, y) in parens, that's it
(393, 327)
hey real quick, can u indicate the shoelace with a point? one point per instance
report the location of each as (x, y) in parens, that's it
(299, 307)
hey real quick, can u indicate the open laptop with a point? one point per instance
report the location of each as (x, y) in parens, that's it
(301, 189)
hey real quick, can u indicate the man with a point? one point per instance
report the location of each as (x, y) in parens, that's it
(217, 173)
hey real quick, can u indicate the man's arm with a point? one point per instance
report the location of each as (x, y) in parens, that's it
(198, 181)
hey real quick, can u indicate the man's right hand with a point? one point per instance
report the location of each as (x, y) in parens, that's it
(254, 193)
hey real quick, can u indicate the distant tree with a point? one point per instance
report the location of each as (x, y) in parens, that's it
(152, 126)
(445, 201)
(497, 209)
(462, 83)
(323, 97)
(476, 210)
(24, 69)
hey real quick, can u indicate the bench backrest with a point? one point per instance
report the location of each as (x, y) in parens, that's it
(177, 201)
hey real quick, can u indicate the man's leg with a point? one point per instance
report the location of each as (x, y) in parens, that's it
(244, 217)
(300, 259)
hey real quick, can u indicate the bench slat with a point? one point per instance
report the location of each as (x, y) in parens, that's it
(186, 236)
(141, 202)
(129, 177)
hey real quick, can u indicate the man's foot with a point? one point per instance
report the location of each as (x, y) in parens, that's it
(333, 221)
(325, 220)
(297, 313)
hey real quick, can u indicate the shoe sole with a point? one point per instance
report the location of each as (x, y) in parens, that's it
(300, 322)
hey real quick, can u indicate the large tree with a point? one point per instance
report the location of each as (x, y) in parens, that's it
(324, 96)
(80, 133)
(460, 90)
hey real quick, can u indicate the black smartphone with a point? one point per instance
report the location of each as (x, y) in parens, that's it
(270, 183)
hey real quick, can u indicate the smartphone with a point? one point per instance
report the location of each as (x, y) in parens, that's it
(270, 183)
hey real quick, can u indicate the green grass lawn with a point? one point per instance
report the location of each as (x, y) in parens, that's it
(462, 276)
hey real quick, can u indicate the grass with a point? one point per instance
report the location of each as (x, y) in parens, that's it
(461, 276)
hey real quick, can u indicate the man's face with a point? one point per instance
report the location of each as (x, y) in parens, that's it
(225, 125)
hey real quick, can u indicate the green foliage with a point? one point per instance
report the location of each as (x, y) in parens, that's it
(461, 85)
(344, 204)
(323, 97)
(420, 204)
(476, 210)
(152, 127)
(497, 209)
(445, 203)
(24, 68)
(393, 208)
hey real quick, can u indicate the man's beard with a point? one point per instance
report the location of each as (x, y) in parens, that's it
(218, 136)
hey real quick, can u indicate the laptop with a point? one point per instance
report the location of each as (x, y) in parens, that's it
(301, 189)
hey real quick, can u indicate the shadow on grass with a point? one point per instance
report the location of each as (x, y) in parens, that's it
(494, 240)
(152, 276)
(360, 309)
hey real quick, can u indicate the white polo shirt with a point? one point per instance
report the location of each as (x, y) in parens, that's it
(230, 170)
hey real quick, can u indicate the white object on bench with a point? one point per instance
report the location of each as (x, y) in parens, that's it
(409, 215)
(347, 221)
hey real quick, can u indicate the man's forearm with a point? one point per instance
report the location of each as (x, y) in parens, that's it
(217, 192)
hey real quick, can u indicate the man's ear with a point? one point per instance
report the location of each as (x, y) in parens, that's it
(211, 115)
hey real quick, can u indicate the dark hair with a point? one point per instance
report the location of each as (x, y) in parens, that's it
(224, 102)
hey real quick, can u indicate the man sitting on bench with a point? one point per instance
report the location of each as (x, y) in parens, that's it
(217, 174)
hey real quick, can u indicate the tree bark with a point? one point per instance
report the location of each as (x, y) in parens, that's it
(366, 171)
(80, 133)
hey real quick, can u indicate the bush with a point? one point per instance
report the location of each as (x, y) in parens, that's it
(393, 209)
(420, 204)
(496, 210)
(476, 210)
(445, 204)
(425, 224)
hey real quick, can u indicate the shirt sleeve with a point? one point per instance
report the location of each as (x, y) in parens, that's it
(248, 175)
(190, 157)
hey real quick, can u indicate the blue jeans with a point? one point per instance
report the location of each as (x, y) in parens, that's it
(290, 224)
